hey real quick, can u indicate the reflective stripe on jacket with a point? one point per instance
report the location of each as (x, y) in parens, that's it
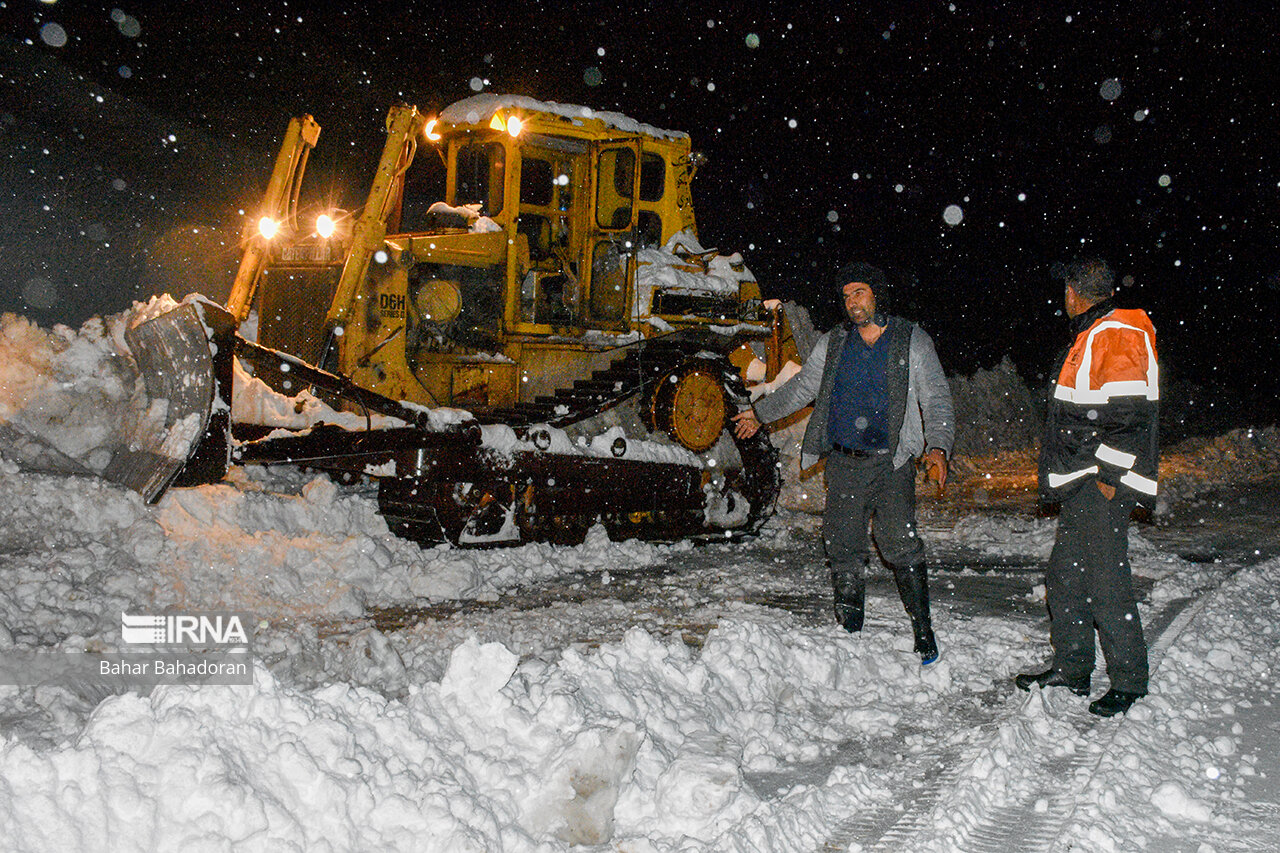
(1102, 419)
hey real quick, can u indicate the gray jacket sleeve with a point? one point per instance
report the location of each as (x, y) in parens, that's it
(798, 391)
(932, 393)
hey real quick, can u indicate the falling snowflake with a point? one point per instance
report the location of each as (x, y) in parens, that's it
(53, 35)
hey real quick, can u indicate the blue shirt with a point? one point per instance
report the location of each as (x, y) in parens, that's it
(860, 395)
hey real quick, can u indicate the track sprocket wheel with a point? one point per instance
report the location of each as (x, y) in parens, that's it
(690, 405)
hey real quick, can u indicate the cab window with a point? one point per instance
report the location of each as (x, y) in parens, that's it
(481, 172)
(615, 188)
(653, 177)
(535, 181)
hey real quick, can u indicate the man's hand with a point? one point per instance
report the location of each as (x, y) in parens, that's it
(935, 462)
(745, 423)
(1108, 492)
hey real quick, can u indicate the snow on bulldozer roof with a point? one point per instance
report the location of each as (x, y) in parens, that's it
(479, 109)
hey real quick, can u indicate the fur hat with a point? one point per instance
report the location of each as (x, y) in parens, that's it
(869, 275)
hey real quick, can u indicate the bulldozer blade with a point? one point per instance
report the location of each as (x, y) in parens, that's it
(137, 424)
(140, 419)
(175, 366)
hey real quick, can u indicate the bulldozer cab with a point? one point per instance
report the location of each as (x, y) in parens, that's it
(579, 207)
(515, 277)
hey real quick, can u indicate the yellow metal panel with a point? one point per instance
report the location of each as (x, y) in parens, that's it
(468, 250)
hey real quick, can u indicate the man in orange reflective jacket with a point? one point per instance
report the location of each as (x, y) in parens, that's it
(1098, 459)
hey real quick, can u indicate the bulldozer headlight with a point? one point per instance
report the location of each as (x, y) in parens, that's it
(268, 227)
(325, 225)
(511, 125)
(430, 131)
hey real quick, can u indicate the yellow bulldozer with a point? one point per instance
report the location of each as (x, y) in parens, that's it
(544, 346)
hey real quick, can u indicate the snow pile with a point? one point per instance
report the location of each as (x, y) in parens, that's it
(259, 543)
(265, 767)
(68, 398)
(325, 551)
(1017, 537)
(254, 402)
(776, 732)
(1240, 455)
(77, 552)
(641, 742)
(995, 411)
(682, 266)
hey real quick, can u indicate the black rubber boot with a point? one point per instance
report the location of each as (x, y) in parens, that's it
(1052, 678)
(850, 592)
(913, 589)
(1114, 702)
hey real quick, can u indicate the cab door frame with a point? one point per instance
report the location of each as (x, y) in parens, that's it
(610, 247)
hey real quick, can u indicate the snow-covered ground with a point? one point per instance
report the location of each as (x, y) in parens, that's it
(631, 696)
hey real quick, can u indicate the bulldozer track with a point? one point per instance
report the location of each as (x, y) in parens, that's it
(623, 394)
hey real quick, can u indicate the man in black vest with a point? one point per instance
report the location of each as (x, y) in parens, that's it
(880, 402)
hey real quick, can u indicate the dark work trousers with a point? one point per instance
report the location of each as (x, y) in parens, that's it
(1088, 586)
(870, 490)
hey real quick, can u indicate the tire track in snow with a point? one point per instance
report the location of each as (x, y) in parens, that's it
(1034, 821)
(1031, 822)
(922, 781)
(1032, 818)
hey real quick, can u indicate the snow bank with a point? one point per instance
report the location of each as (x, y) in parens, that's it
(1203, 463)
(271, 545)
(68, 398)
(642, 742)
(995, 411)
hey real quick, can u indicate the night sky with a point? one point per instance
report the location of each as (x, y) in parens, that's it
(967, 146)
